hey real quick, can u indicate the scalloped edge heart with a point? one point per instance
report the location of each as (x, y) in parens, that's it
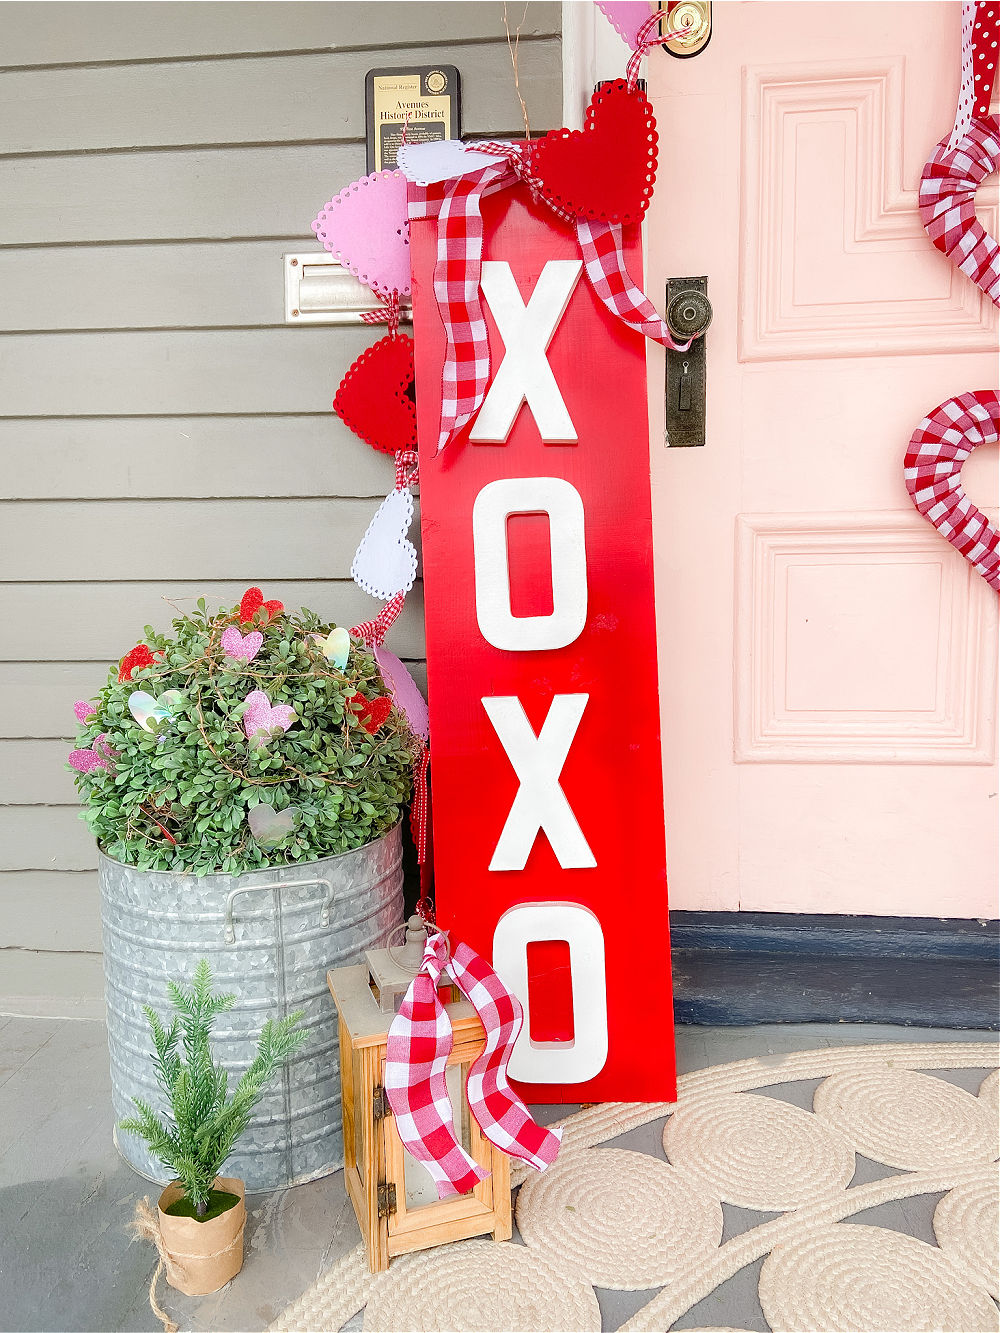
(362, 371)
(575, 208)
(326, 217)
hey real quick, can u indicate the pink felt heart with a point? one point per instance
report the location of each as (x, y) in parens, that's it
(367, 228)
(83, 709)
(243, 647)
(404, 690)
(605, 171)
(99, 756)
(626, 17)
(260, 718)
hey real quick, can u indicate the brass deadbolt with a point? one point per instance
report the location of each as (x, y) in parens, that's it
(695, 15)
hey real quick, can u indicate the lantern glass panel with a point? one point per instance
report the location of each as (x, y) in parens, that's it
(420, 1188)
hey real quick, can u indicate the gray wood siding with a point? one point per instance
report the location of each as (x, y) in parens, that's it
(156, 161)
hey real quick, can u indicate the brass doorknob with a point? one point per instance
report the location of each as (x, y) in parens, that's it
(689, 314)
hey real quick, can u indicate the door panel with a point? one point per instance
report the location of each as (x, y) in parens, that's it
(828, 662)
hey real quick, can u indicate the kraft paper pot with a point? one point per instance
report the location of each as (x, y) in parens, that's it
(201, 1257)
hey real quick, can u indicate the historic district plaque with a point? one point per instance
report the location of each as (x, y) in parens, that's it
(424, 101)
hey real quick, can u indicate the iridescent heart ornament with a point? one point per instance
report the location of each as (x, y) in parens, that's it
(261, 719)
(150, 712)
(405, 692)
(336, 646)
(367, 228)
(98, 755)
(270, 827)
(241, 647)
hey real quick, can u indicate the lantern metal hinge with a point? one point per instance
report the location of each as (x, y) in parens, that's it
(386, 1200)
(380, 1103)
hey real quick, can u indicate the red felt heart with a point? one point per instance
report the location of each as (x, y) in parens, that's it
(371, 712)
(606, 170)
(252, 601)
(373, 398)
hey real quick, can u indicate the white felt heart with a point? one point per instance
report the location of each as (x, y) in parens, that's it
(269, 826)
(440, 160)
(386, 561)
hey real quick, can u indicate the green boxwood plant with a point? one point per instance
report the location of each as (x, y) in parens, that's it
(177, 797)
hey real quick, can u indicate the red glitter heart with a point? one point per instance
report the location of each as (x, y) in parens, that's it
(373, 399)
(371, 712)
(252, 601)
(140, 656)
(605, 171)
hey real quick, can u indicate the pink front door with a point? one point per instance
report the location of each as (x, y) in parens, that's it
(827, 661)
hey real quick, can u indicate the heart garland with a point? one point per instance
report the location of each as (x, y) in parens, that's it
(367, 229)
(374, 396)
(604, 172)
(933, 474)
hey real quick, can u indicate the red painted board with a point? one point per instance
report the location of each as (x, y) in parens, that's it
(611, 776)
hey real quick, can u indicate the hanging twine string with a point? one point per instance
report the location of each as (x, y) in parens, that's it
(146, 1225)
(512, 48)
(647, 37)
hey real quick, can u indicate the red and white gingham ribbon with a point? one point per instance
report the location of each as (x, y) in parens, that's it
(948, 203)
(456, 204)
(933, 474)
(420, 1041)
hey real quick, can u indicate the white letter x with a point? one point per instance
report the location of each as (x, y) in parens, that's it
(525, 375)
(540, 802)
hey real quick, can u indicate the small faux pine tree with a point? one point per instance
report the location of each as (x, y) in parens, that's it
(206, 1120)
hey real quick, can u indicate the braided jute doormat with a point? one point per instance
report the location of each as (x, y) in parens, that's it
(666, 1217)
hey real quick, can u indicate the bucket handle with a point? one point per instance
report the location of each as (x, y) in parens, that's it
(324, 916)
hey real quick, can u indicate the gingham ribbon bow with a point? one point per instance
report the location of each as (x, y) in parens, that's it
(456, 205)
(419, 1043)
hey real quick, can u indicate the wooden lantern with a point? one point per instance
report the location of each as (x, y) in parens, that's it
(393, 1195)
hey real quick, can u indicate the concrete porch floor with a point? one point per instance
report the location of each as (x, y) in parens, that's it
(66, 1197)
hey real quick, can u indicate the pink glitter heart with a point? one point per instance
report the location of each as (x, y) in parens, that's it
(243, 648)
(366, 227)
(626, 17)
(100, 756)
(83, 709)
(260, 718)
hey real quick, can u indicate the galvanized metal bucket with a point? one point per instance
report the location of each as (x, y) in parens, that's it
(270, 937)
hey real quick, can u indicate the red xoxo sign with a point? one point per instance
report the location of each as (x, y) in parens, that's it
(541, 643)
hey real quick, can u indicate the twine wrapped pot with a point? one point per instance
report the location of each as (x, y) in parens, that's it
(201, 1257)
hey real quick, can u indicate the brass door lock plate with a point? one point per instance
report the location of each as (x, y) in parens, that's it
(695, 15)
(688, 315)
